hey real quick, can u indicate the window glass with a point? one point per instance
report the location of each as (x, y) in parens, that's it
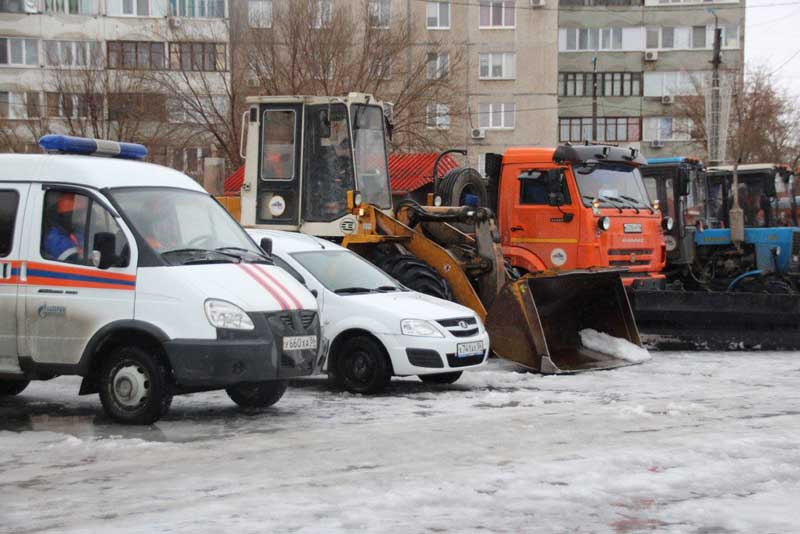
(612, 184)
(9, 201)
(101, 221)
(667, 37)
(533, 186)
(339, 269)
(64, 227)
(278, 145)
(371, 172)
(698, 37)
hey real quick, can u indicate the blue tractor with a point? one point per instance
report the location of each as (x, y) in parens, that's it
(722, 293)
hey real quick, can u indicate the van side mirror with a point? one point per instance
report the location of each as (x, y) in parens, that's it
(266, 245)
(105, 245)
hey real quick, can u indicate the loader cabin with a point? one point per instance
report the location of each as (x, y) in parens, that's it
(577, 207)
(305, 153)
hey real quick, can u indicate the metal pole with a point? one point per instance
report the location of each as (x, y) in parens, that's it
(714, 133)
(594, 99)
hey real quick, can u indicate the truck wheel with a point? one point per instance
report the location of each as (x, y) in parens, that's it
(362, 367)
(458, 183)
(416, 274)
(9, 388)
(135, 386)
(441, 378)
(257, 394)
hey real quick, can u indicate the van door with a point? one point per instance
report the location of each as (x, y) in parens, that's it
(68, 296)
(12, 210)
(549, 232)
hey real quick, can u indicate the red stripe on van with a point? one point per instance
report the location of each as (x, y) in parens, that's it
(278, 283)
(250, 270)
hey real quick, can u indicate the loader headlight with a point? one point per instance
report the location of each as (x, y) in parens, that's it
(669, 223)
(419, 328)
(437, 200)
(223, 314)
(357, 198)
(604, 223)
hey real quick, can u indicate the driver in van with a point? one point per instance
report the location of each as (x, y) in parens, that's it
(64, 225)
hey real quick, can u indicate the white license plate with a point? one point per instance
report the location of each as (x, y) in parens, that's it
(470, 349)
(632, 228)
(300, 343)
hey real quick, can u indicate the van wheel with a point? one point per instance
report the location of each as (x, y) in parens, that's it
(362, 367)
(441, 378)
(9, 388)
(257, 394)
(135, 386)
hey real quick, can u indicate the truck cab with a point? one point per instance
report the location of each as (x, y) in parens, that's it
(577, 207)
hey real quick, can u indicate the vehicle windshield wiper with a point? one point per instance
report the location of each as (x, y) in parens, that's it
(630, 201)
(639, 203)
(261, 255)
(609, 200)
(346, 290)
(207, 252)
(387, 288)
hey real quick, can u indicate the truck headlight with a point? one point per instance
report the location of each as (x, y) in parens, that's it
(223, 314)
(419, 328)
(669, 223)
(604, 223)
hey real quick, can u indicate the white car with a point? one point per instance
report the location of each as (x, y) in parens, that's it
(373, 328)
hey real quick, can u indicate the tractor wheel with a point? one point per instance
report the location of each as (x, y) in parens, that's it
(458, 183)
(416, 274)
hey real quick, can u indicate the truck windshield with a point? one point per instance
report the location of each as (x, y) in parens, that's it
(614, 185)
(343, 272)
(372, 175)
(757, 206)
(185, 226)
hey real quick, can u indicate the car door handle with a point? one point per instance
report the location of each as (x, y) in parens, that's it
(516, 228)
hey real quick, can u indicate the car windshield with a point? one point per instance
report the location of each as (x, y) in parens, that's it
(344, 272)
(371, 172)
(185, 226)
(614, 185)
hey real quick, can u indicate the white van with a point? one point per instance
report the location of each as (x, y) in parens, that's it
(373, 328)
(170, 296)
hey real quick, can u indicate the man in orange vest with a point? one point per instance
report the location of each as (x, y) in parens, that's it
(65, 222)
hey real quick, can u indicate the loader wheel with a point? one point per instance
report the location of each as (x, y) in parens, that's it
(9, 388)
(441, 378)
(417, 275)
(257, 394)
(362, 366)
(135, 386)
(458, 183)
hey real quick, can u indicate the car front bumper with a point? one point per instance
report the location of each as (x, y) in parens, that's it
(424, 355)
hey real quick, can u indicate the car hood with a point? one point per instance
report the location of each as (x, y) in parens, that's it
(409, 305)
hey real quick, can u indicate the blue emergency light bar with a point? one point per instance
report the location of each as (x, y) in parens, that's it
(663, 161)
(67, 144)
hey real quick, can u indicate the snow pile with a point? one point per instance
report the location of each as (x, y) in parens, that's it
(613, 346)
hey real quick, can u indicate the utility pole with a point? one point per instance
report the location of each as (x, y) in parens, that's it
(594, 98)
(714, 133)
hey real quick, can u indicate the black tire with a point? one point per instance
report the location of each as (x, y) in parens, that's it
(417, 275)
(257, 394)
(441, 378)
(361, 366)
(135, 386)
(459, 182)
(9, 388)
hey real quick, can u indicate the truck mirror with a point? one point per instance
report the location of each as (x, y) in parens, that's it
(324, 124)
(266, 245)
(684, 179)
(104, 249)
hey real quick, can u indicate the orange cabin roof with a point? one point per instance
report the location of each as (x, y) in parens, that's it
(529, 154)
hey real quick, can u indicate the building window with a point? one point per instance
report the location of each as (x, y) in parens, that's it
(17, 52)
(206, 57)
(72, 7)
(259, 13)
(437, 117)
(380, 13)
(200, 9)
(137, 106)
(608, 84)
(438, 15)
(15, 105)
(497, 115)
(73, 105)
(730, 36)
(137, 8)
(12, 6)
(611, 129)
(498, 14)
(664, 83)
(667, 129)
(144, 55)
(592, 39)
(699, 37)
(320, 13)
(497, 66)
(380, 69)
(72, 54)
(437, 66)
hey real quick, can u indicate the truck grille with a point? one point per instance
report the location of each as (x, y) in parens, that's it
(629, 251)
(461, 327)
(626, 263)
(306, 319)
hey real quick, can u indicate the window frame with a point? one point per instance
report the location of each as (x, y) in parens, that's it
(441, 70)
(440, 113)
(24, 44)
(152, 45)
(439, 4)
(492, 113)
(506, 6)
(219, 50)
(581, 124)
(259, 12)
(180, 9)
(490, 56)
(13, 225)
(383, 8)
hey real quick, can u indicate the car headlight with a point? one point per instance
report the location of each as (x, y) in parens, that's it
(419, 328)
(222, 314)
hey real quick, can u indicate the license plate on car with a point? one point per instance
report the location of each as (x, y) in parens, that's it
(469, 349)
(300, 343)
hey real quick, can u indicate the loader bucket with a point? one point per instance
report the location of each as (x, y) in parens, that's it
(535, 321)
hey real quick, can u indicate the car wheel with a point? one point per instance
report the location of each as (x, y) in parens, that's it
(441, 378)
(257, 394)
(362, 366)
(9, 388)
(135, 386)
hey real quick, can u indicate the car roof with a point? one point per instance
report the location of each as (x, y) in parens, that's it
(290, 242)
(91, 171)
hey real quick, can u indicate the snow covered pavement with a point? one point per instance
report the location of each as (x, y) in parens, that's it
(686, 442)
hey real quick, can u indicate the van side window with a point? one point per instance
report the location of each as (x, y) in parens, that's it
(9, 201)
(533, 186)
(101, 221)
(64, 226)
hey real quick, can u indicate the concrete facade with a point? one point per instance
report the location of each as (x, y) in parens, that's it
(667, 47)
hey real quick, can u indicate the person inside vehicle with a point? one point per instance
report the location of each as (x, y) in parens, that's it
(65, 228)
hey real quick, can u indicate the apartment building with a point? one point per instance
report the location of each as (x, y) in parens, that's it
(645, 55)
(98, 66)
(507, 75)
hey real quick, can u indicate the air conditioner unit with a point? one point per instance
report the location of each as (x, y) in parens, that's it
(668, 99)
(537, 3)
(479, 133)
(175, 23)
(651, 55)
(253, 82)
(657, 143)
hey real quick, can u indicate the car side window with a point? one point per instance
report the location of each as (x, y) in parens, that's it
(102, 222)
(64, 226)
(534, 186)
(9, 202)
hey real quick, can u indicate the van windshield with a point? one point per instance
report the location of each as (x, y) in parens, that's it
(614, 185)
(185, 226)
(343, 272)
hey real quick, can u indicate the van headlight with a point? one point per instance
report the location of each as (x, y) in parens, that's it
(419, 328)
(223, 314)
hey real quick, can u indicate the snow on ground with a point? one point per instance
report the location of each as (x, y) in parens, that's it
(687, 442)
(613, 346)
